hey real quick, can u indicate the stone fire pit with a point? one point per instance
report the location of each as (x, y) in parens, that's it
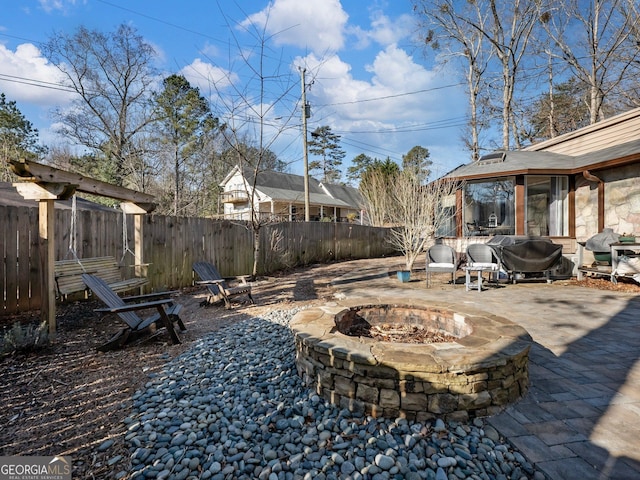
(477, 365)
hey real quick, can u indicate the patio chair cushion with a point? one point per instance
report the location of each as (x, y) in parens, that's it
(441, 265)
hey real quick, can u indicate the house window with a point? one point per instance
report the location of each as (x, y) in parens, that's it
(547, 209)
(446, 217)
(489, 207)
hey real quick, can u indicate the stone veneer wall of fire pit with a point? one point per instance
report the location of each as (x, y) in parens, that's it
(479, 374)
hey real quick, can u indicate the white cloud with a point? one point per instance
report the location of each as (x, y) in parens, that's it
(208, 77)
(383, 30)
(386, 31)
(393, 73)
(210, 50)
(27, 76)
(391, 110)
(393, 68)
(315, 25)
(57, 5)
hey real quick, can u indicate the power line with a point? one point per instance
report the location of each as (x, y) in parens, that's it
(159, 20)
(447, 123)
(374, 99)
(35, 83)
(393, 157)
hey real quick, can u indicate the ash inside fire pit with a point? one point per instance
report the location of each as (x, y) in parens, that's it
(396, 333)
(402, 324)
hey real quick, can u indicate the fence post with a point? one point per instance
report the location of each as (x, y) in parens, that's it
(46, 231)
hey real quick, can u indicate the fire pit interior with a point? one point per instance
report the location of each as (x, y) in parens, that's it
(404, 324)
(416, 361)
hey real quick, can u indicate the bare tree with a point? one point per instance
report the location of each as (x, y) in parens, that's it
(507, 28)
(376, 196)
(596, 40)
(447, 30)
(413, 210)
(112, 74)
(250, 109)
(417, 214)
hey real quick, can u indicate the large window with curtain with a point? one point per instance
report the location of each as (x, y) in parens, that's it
(489, 207)
(547, 208)
(445, 220)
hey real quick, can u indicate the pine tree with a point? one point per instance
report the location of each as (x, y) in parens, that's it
(417, 163)
(18, 138)
(326, 144)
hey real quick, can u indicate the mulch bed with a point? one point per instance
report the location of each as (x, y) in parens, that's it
(626, 285)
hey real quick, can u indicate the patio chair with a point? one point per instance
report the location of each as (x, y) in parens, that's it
(441, 259)
(217, 286)
(481, 255)
(125, 308)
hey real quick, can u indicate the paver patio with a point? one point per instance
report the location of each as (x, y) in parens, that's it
(581, 416)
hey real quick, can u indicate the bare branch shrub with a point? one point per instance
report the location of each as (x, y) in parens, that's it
(416, 213)
(376, 197)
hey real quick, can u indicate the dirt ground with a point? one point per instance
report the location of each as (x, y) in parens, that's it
(68, 399)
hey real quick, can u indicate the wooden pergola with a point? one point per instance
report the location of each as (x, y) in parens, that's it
(47, 184)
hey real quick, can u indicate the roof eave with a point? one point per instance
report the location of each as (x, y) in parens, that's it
(617, 162)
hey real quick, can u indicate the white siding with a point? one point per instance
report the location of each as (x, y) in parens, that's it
(607, 133)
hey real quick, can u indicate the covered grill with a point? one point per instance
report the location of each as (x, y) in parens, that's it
(600, 245)
(522, 254)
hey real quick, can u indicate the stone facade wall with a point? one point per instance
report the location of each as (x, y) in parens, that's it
(622, 203)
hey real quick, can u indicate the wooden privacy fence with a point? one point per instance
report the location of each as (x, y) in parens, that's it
(171, 245)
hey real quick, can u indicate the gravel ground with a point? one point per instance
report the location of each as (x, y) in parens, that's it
(233, 407)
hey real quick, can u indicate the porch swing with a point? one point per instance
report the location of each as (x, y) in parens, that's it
(68, 272)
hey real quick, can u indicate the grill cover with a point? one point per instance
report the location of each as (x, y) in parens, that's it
(526, 254)
(602, 241)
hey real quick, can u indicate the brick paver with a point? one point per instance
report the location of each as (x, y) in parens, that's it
(581, 416)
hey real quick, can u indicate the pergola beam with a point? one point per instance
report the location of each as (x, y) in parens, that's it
(46, 175)
(47, 184)
(45, 191)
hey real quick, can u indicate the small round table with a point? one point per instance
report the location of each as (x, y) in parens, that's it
(468, 284)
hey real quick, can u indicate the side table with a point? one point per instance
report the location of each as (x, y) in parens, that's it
(479, 269)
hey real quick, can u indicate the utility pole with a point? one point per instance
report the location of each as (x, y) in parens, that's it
(305, 115)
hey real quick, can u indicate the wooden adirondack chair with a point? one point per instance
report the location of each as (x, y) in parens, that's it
(125, 308)
(217, 286)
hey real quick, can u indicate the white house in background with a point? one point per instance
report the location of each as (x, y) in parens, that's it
(280, 196)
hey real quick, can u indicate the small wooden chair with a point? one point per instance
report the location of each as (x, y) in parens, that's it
(217, 286)
(125, 308)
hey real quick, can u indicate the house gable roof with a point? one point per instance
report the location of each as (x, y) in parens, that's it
(288, 187)
(347, 194)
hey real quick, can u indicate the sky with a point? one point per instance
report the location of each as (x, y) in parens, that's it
(367, 75)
